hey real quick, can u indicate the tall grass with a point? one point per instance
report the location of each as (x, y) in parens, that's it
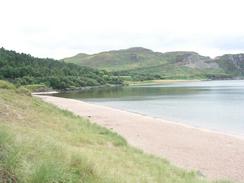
(6, 85)
(40, 143)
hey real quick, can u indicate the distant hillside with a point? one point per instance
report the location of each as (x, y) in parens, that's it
(119, 60)
(232, 64)
(144, 63)
(23, 69)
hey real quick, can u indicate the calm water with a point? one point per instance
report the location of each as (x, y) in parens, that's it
(215, 105)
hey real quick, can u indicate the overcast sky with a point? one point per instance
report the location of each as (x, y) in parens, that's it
(61, 28)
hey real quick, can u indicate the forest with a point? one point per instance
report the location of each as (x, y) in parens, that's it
(24, 69)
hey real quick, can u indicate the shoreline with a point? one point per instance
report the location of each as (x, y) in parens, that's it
(174, 122)
(216, 155)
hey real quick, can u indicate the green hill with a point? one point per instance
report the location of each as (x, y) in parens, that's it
(144, 63)
(40, 143)
(118, 60)
(23, 69)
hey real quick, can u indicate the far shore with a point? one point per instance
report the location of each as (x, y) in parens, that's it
(162, 81)
(127, 83)
(212, 154)
(132, 83)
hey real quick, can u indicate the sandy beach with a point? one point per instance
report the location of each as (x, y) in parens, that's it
(215, 155)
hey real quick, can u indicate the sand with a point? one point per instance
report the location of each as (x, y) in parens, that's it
(215, 155)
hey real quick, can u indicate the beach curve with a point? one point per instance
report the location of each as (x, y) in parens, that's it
(215, 155)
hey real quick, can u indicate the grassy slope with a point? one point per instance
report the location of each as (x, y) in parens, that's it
(40, 143)
(143, 61)
(119, 60)
(75, 59)
(170, 71)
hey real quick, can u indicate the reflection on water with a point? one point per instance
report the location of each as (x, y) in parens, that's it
(125, 92)
(217, 105)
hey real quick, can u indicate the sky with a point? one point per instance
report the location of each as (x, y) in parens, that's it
(63, 28)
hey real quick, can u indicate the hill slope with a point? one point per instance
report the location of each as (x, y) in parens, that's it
(23, 69)
(119, 60)
(43, 144)
(145, 62)
(232, 63)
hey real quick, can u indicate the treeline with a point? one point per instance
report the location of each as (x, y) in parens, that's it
(23, 69)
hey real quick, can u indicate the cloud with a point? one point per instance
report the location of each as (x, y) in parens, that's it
(61, 28)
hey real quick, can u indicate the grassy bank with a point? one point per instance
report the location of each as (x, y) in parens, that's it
(40, 143)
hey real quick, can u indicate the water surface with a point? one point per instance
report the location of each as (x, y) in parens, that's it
(214, 105)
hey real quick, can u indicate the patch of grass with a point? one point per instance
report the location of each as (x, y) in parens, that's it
(40, 143)
(23, 90)
(6, 85)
